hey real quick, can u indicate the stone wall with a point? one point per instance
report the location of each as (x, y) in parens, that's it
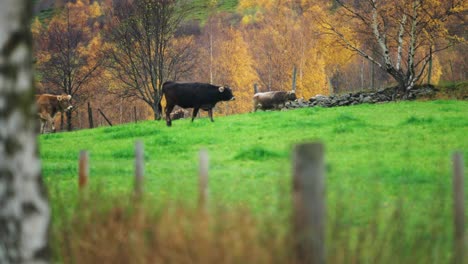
(385, 95)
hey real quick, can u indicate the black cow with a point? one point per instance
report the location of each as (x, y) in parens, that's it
(193, 95)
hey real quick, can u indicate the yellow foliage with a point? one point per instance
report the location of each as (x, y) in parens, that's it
(42, 57)
(314, 80)
(247, 19)
(331, 52)
(78, 4)
(254, 10)
(436, 72)
(246, 4)
(258, 4)
(236, 67)
(36, 27)
(95, 10)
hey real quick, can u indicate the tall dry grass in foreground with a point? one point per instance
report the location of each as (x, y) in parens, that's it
(104, 230)
(123, 233)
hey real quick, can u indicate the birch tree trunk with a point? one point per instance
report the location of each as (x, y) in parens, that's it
(400, 31)
(24, 209)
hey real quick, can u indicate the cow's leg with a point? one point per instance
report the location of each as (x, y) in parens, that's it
(210, 114)
(257, 106)
(195, 112)
(48, 120)
(52, 123)
(43, 125)
(169, 108)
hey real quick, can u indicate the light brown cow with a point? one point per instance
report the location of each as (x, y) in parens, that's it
(179, 114)
(49, 105)
(272, 100)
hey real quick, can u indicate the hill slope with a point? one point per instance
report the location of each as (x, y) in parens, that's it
(373, 153)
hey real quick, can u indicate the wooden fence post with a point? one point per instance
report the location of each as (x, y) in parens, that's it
(203, 179)
(135, 114)
(458, 208)
(103, 115)
(90, 116)
(309, 203)
(139, 168)
(294, 78)
(429, 70)
(83, 169)
(62, 122)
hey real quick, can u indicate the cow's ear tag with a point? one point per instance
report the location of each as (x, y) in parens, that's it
(69, 97)
(59, 97)
(221, 89)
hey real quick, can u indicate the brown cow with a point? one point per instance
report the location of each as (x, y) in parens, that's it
(272, 100)
(49, 105)
(179, 114)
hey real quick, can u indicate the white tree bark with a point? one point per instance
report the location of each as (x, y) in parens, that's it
(412, 44)
(401, 32)
(24, 209)
(380, 37)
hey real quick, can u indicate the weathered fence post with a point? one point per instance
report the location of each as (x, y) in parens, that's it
(135, 114)
(103, 115)
(429, 70)
(90, 116)
(83, 169)
(139, 168)
(62, 122)
(294, 78)
(458, 207)
(203, 179)
(309, 202)
(372, 75)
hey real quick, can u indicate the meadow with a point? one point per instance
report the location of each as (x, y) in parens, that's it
(386, 165)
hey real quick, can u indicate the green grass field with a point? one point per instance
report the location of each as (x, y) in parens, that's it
(378, 158)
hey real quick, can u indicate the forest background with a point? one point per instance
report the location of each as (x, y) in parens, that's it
(101, 52)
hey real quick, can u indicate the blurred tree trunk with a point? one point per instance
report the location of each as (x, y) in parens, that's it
(24, 209)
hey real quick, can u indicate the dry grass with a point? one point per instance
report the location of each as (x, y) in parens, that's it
(133, 231)
(177, 234)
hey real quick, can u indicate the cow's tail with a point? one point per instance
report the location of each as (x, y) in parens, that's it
(163, 92)
(159, 103)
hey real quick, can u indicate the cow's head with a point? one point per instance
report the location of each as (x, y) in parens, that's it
(226, 93)
(64, 102)
(292, 96)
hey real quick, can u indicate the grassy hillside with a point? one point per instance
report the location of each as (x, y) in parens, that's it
(386, 164)
(388, 150)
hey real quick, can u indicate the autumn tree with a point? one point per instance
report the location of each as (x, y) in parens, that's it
(24, 209)
(275, 41)
(146, 52)
(407, 34)
(233, 65)
(69, 50)
(224, 58)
